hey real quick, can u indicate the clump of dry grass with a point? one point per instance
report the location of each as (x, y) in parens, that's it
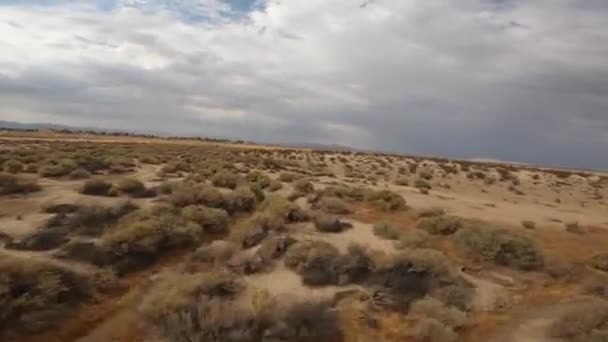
(12, 184)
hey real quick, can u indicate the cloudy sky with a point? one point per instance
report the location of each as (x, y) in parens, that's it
(521, 80)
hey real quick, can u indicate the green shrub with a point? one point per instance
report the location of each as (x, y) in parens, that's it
(209, 220)
(131, 186)
(225, 179)
(440, 225)
(386, 231)
(97, 187)
(62, 168)
(12, 184)
(387, 200)
(12, 166)
(146, 234)
(501, 247)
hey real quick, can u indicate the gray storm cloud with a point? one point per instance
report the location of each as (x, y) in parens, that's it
(514, 80)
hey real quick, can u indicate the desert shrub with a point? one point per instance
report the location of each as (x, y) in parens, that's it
(599, 262)
(226, 179)
(528, 224)
(131, 186)
(30, 168)
(58, 169)
(210, 220)
(12, 184)
(274, 247)
(175, 167)
(430, 307)
(303, 186)
(413, 239)
(411, 275)
(459, 295)
(588, 322)
(91, 220)
(240, 200)
(431, 212)
(258, 178)
(315, 261)
(185, 309)
(596, 287)
(276, 211)
(275, 186)
(97, 187)
(422, 184)
(12, 166)
(501, 247)
(80, 174)
(332, 205)
(386, 231)
(387, 200)
(329, 224)
(35, 294)
(289, 177)
(142, 236)
(440, 225)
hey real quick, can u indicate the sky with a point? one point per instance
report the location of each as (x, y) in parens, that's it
(515, 80)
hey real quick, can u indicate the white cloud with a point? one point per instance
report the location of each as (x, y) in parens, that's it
(414, 76)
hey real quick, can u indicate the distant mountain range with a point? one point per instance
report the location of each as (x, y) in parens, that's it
(47, 126)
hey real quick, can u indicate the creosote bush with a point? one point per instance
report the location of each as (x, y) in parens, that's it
(387, 200)
(501, 246)
(440, 225)
(13, 184)
(332, 205)
(205, 307)
(35, 294)
(386, 231)
(97, 187)
(226, 179)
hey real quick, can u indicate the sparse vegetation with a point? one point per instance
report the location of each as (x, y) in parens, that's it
(440, 225)
(386, 231)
